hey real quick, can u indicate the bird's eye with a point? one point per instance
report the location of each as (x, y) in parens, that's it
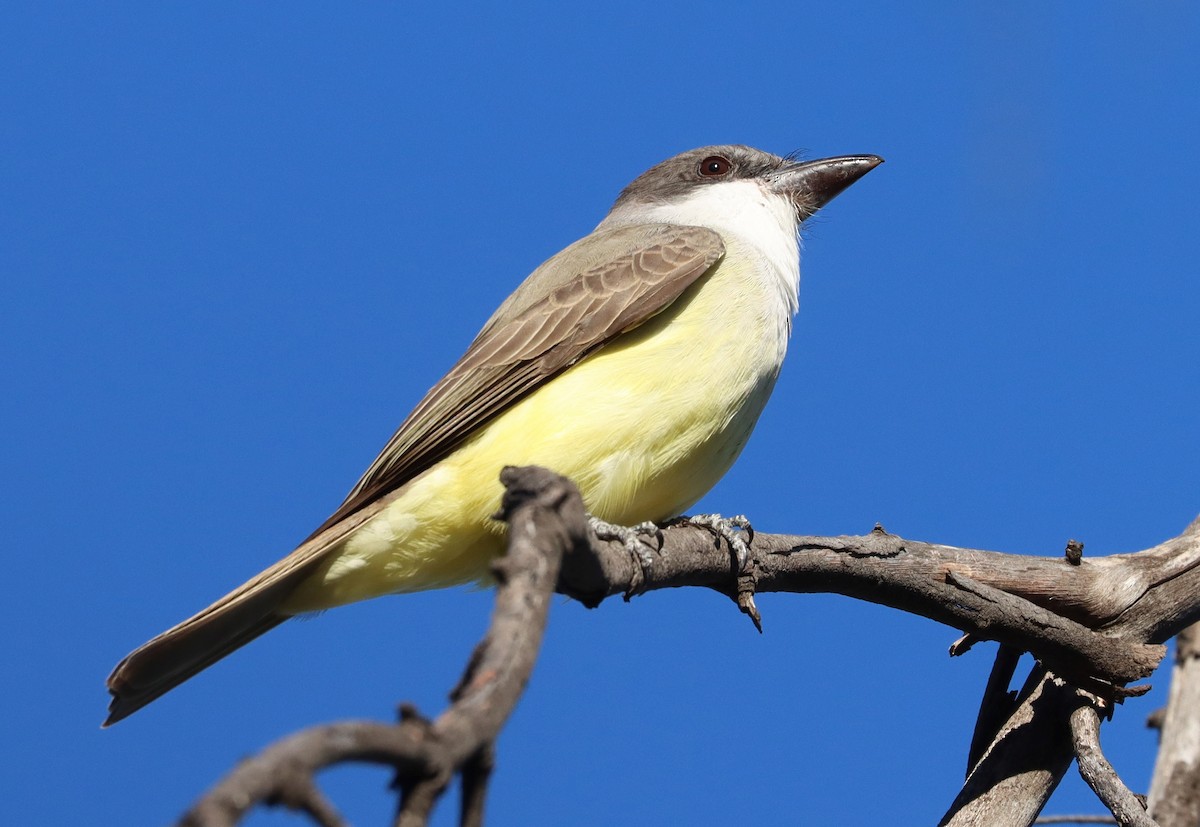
(714, 166)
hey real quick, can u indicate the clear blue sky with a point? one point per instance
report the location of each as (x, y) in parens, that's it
(238, 241)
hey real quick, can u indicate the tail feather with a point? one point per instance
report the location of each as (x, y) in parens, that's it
(169, 659)
(239, 617)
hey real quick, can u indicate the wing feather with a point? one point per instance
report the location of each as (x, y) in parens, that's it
(621, 278)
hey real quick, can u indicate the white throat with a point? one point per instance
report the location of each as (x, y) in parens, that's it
(747, 215)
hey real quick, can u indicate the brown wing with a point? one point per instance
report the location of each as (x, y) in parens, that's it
(643, 269)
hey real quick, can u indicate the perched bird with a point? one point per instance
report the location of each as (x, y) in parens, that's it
(636, 362)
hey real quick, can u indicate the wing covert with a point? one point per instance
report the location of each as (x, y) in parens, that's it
(604, 285)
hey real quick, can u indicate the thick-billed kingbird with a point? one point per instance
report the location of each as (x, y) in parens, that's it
(636, 362)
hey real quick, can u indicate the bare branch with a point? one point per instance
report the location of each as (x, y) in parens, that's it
(1175, 788)
(475, 776)
(1099, 774)
(308, 798)
(261, 778)
(1024, 763)
(1093, 622)
(997, 704)
(1098, 622)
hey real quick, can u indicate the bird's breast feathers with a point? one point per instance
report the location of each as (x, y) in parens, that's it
(645, 426)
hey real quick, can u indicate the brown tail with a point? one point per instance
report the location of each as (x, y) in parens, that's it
(174, 656)
(248, 611)
(233, 621)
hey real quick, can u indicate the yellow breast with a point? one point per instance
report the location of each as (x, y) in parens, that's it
(645, 427)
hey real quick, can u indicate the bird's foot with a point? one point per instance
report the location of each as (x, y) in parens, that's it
(632, 537)
(729, 529)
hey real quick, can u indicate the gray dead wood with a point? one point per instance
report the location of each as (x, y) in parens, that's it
(1093, 622)
(1099, 773)
(997, 705)
(1102, 621)
(1097, 623)
(1024, 762)
(1175, 787)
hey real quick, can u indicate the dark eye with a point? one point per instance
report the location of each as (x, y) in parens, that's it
(714, 166)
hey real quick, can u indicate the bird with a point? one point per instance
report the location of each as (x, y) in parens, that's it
(636, 362)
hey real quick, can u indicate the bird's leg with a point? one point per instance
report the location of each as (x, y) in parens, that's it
(631, 537)
(729, 529)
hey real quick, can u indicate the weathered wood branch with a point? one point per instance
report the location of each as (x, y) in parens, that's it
(997, 705)
(1103, 619)
(1175, 787)
(1023, 764)
(1096, 623)
(1099, 773)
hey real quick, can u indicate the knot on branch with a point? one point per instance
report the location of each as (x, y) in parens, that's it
(877, 543)
(1074, 552)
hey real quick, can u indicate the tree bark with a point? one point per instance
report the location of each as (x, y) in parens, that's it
(1175, 786)
(1094, 625)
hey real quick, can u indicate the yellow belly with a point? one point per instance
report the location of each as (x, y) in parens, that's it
(645, 427)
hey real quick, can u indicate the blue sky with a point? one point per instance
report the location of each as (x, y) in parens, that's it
(239, 241)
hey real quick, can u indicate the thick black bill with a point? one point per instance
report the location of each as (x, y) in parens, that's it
(813, 184)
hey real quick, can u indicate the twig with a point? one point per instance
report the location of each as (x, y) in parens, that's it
(997, 703)
(1024, 763)
(475, 776)
(1099, 774)
(308, 798)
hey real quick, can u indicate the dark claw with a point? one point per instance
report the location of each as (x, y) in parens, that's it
(729, 529)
